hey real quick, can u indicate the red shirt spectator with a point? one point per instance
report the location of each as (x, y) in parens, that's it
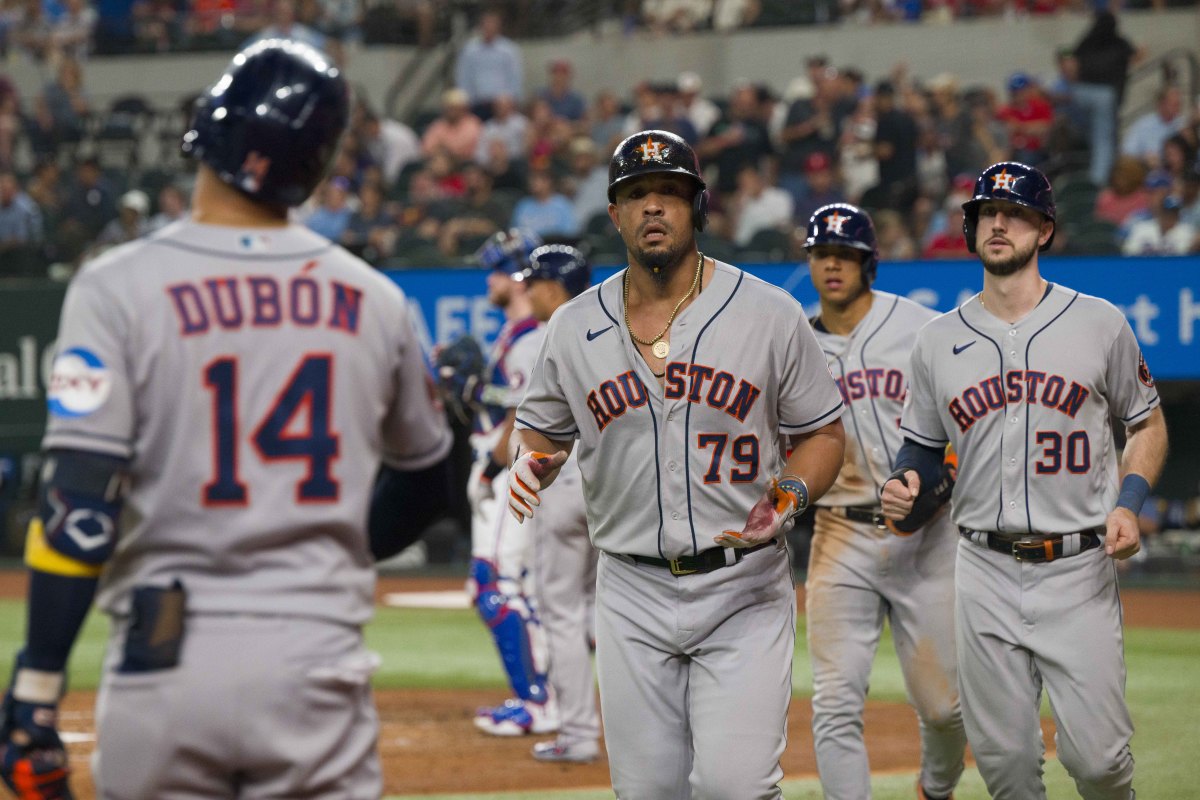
(1028, 117)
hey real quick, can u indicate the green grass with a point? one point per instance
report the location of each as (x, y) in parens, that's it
(425, 648)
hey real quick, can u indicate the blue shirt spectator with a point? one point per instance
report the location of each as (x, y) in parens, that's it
(489, 64)
(565, 102)
(1145, 137)
(544, 211)
(332, 216)
(20, 217)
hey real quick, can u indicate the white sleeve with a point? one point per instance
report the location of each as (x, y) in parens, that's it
(808, 397)
(544, 408)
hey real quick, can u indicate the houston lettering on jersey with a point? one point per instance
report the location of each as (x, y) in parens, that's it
(263, 301)
(696, 382)
(873, 383)
(1051, 391)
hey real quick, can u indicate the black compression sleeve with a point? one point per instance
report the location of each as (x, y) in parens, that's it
(404, 504)
(927, 461)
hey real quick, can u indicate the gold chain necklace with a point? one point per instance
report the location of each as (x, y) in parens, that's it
(660, 348)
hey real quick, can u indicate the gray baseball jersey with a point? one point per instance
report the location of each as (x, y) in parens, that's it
(695, 670)
(859, 575)
(1027, 406)
(256, 378)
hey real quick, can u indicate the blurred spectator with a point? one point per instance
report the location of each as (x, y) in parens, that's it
(389, 143)
(1104, 57)
(757, 206)
(859, 167)
(949, 241)
(1126, 195)
(10, 121)
(370, 232)
(675, 16)
(489, 65)
(1145, 136)
(891, 234)
(90, 206)
(447, 175)
(284, 25)
(1028, 116)
(131, 222)
(544, 211)
(546, 136)
(456, 131)
(1189, 193)
(1163, 234)
(730, 14)
(820, 188)
(988, 134)
(66, 103)
(563, 99)
(953, 127)
(738, 139)
(71, 34)
(699, 110)
(607, 121)
(31, 31)
(932, 175)
(477, 214)
(1070, 117)
(1178, 156)
(416, 221)
(342, 19)
(332, 214)
(654, 109)
(588, 179)
(506, 124)
(506, 171)
(896, 150)
(172, 207)
(159, 25)
(808, 128)
(21, 231)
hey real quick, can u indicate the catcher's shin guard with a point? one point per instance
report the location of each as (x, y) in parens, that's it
(515, 630)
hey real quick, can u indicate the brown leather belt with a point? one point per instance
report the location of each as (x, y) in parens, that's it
(704, 561)
(1036, 547)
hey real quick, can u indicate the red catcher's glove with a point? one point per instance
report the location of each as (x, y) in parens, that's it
(785, 498)
(525, 480)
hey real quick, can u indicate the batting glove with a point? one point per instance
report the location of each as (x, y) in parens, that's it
(481, 488)
(785, 498)
(33, 761)
(525, 480)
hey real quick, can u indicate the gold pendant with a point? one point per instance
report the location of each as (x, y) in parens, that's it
(661, 349)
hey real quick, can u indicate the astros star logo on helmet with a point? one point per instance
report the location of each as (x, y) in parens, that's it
(834, 222)
(651, 150)
(1003, 181)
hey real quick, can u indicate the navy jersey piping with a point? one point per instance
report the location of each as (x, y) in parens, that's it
(191, 248)
(854, 419)
(1000, 356)
(1028, 346)
(548, 434)
(604, 308)
(840, 405)
(98, 436)
(862, 357)
(657, 463)
(687, 419)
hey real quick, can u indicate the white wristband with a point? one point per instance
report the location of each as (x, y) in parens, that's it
(35, 686)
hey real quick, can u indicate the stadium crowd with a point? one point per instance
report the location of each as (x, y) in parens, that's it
(508, 150)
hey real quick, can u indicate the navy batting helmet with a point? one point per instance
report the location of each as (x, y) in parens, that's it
(655, 151)
(1016, 183)
(271, 125)
(508, 251)
(849, 226)
(558, 262)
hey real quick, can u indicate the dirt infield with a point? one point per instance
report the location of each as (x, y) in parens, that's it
(429, 745)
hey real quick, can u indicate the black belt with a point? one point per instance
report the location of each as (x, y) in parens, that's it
(1036, 547)
(704, 561)
(868, 514)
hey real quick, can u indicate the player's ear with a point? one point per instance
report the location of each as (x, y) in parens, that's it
(1045, 232)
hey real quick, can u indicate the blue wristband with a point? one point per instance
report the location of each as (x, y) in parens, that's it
(797, 488)
(1134, 491)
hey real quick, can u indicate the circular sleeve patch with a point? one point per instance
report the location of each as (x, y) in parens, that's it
(79, 383)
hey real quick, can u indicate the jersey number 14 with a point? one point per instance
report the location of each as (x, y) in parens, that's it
(306, 393)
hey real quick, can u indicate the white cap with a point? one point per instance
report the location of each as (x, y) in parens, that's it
(137, 200)
(688, 82)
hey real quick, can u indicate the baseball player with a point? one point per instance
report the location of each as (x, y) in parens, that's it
(564, 560)
(1022, 379)
(232, 384)
(859, 573)
(678, 376)
(500, 580)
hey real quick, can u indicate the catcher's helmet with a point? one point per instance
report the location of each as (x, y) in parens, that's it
(1015, 182)
(558, 262)
(271, 125)
(508, 251)
(849, 226)
(658, 151)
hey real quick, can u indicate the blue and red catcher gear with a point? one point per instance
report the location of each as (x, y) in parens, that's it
(654, 151)
(848, 226)
(1013, 182)
(270, 126)
(558, 262)
(508, 251)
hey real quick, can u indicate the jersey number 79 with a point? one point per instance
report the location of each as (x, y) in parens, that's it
(306, 393)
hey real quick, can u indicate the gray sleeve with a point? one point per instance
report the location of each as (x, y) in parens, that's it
(545, 408)
(519, 364)
(1131, 391)
(90, 399)
(415, 431)
(920, 420)
(808, 397)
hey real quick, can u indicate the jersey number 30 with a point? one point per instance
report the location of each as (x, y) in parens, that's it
(306, 393)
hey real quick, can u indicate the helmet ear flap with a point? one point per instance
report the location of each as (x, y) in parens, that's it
(970, 225)
(700, 209)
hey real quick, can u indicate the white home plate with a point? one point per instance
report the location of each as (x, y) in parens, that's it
(75, 737)
(451, 599)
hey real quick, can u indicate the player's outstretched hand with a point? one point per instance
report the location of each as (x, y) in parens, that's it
(479, 491)
(1123, 537)
(528, 475)
(899, 493)
(777, 505)
(33, 761)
